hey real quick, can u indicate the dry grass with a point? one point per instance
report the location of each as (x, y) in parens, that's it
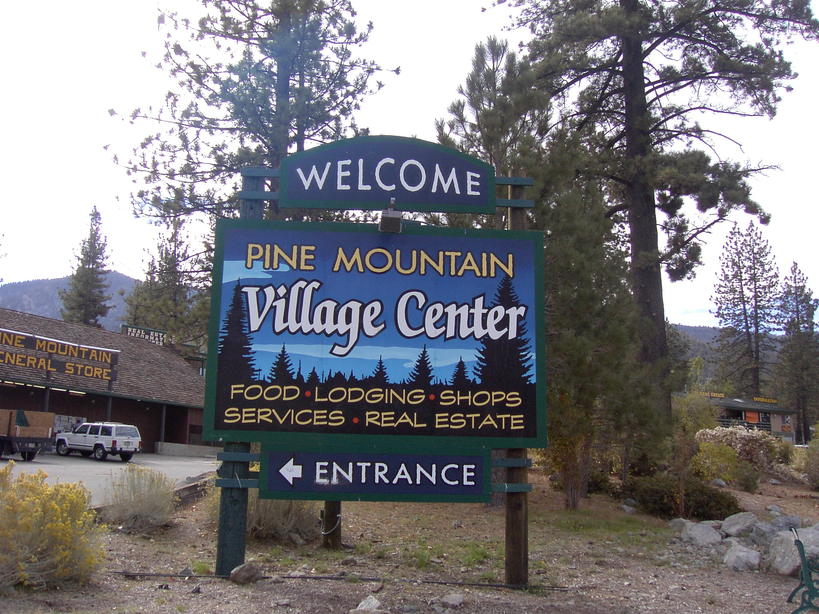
(272, 519)
(139, 499)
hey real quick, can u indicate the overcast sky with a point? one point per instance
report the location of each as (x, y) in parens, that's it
(66, 64)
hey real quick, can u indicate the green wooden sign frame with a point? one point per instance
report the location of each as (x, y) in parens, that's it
(530, 241)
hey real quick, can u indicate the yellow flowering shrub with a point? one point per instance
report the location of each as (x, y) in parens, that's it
(47, 533)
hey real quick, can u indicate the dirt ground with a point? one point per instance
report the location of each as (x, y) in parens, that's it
(417, 558)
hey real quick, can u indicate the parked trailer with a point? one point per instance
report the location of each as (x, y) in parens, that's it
(25, 432)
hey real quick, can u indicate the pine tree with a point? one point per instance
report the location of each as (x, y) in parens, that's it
(643, 74)
(504, 363)
(421, 374)
(254, 80)
(281, 371)
(84, 301)
(596, 391)
(172, 298)
(498, 117)
(235, 361)
(460, 379)
(798, 360)
(745, 301)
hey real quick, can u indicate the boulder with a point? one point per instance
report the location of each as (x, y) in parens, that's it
(740, 558)
(762, 533)
(678, 524)
(700, 534)
(450, 601)
(783, 557)
(740, 524)
(246, 574)
(786, 523)
(369, 605)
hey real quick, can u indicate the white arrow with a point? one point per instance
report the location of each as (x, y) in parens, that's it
(290, 471)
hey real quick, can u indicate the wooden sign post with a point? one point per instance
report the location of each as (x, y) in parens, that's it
(409, 340)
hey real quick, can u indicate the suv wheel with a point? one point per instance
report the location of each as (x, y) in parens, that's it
(126, 456)
(62, 448)
(100, 454)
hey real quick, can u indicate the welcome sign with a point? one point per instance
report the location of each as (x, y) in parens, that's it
(377, 172)
(321, 329)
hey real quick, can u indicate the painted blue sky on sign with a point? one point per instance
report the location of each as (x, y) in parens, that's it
(308, 351)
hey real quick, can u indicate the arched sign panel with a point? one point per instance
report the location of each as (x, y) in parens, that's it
(377, 172)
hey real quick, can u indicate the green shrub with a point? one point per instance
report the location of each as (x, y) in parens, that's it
(47, 534)
(714, 460)
(703, 502)
(746, 476)
(659, 495)
(139, 499)
(599, 482)
(784, 452)
(812, 463)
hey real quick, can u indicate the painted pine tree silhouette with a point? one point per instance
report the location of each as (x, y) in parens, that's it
(337, 379)
(504, 362)
(312, 378)
(235, 362)
(380, 376)
(421, 374)
(460, 379)
(281, 371)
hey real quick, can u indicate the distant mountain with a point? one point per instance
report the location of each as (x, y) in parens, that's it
(701, 341)
(698, 334)
(40, 297)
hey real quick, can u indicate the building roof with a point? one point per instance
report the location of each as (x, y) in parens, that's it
(748, 405)
(118, 365)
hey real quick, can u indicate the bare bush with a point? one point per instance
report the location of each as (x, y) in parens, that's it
(812, 464)
(277, 519)
(139, 499)
(273, 518)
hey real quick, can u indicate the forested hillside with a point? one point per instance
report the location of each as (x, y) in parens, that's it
(40, 297)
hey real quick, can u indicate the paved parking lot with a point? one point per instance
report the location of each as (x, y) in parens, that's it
(96, 475)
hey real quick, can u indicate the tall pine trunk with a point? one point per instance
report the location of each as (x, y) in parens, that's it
(642, 216)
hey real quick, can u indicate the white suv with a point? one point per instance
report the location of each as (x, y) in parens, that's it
(101, 439)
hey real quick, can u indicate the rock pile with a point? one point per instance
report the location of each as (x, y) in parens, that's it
(749, 544)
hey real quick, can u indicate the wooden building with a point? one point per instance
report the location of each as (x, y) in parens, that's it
(761, 413)
(85, 373)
